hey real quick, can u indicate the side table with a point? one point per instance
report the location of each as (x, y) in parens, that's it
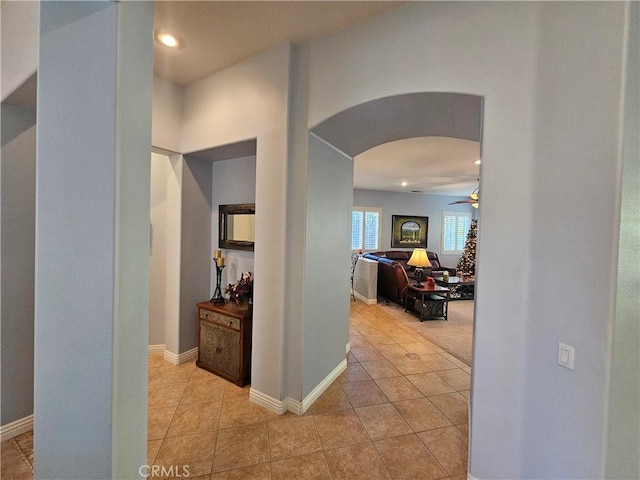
(430, 301)
(224, 341)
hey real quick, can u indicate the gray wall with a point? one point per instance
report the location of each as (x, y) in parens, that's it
(203, 185)
(431, 206)
(249, 101)
(234, 181)
(327, 256)
(164, 261)
(623, 453)
(579, 241)
(195, 253)
(92, 239)
(17, 118)
(17, 173)
(550, 76)
(19, 26)
(132, 129)
(160, 170)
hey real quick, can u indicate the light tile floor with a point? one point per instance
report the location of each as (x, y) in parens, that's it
(398, 411)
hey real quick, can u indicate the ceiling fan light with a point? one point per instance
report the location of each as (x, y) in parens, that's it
(474, 198)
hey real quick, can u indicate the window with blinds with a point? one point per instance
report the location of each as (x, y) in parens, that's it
(455, 226)
(365, 228)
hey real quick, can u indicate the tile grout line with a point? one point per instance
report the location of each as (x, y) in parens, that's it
(374, 323)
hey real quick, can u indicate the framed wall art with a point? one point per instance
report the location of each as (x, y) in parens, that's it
(408, 231)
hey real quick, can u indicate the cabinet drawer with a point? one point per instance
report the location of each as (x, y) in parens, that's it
(220, 319)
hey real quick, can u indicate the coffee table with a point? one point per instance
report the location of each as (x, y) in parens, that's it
(430, 301)
(461, 288)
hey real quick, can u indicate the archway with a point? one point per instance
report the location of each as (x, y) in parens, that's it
(384, 120)
(364, 126)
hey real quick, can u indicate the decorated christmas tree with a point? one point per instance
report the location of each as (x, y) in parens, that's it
(467, 263)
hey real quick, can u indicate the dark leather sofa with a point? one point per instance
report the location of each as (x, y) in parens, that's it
(403, 256)
(392, 280)
(394, 273)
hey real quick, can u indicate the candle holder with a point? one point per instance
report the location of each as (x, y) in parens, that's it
(217, 298)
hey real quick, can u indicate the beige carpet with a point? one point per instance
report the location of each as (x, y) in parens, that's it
(454, 336)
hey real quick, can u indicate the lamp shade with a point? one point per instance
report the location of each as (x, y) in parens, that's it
(419, 258)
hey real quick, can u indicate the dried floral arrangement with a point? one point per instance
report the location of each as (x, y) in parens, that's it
(242, 290)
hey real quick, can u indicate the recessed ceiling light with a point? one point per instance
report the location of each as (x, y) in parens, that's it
(167, 39)
(478, 162)
(404, 184)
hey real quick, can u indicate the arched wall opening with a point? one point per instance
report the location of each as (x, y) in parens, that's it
(332, 144)
(422, 114)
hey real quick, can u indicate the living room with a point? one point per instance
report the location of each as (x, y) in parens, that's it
(454, 335)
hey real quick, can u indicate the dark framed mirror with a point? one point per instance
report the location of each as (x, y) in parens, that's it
(236, 226)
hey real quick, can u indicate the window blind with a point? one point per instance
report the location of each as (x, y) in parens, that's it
(365, 228)
(455, 226)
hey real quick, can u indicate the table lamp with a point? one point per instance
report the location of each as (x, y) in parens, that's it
(419, 259)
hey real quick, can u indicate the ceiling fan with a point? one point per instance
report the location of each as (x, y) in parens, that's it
(474, 199)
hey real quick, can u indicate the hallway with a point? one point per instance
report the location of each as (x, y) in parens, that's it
(399, 411)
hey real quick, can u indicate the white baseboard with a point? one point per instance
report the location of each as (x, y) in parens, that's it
(295, 406)
(365, 300)
(348, 347)
(16, 428)
(155, 349)
(182, 357)
(270, 403)
(175, 359)
(471, 477)
(322, 386)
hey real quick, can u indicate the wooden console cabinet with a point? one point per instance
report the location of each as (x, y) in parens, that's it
(224, 341)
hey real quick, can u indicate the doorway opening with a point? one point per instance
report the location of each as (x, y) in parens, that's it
(446, 118)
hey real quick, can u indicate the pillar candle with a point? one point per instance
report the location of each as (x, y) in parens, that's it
(216, 254)
(221, 262)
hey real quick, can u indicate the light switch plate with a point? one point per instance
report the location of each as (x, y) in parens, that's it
(566, 354)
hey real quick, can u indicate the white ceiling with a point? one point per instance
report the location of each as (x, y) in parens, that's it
(217, 34)
(436, 165)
